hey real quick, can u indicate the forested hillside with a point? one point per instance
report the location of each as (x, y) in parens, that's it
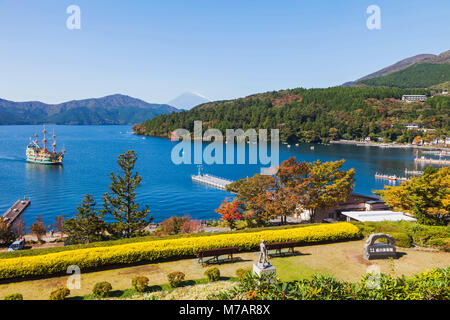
(422, 75)
(315, 115)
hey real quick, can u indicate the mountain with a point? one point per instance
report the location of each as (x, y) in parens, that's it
(113, 109)
(443, 58)
(421, 75)
(188, 100)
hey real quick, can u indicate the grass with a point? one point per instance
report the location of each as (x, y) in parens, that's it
(343, 260)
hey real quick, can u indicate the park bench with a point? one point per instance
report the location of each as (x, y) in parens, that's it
(277, 246)
(215, 254)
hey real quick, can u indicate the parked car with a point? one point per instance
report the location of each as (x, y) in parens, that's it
(17, 245)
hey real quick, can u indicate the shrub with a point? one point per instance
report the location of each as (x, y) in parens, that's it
(59, 294)
(443, 244)
(212, 274)
(140, 283)
(429, 285)
(102, 289)
(402, 239)
(13, 296)
(242, 273)
(175, 278)
(94, 257)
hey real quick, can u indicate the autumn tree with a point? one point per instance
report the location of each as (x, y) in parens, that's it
(87, 225)
(59, 225)
(288, 188)
(326, 186)
(19, 227)
(7, 235)
(426, 197)
(230, 211)
(254, 195)
(38, 228)
(121, 202)
(310, 186)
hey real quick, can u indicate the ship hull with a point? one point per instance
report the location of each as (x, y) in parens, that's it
(44, 162)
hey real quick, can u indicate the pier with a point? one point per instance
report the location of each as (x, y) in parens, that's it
(210, 180)
(413, 172)
(15, 211)
(392, 178)
(432, 161)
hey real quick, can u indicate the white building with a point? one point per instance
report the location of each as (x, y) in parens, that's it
(412, 126)
(382, 215)
(414, 97)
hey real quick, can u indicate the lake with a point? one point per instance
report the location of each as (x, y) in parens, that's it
(168, 189)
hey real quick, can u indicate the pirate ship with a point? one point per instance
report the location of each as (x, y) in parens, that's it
(37, 154)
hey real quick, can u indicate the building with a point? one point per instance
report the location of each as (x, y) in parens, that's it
(356, 202)
(414, 97)
(382, 215)
(412, 126)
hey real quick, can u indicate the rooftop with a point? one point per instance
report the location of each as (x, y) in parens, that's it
(380, 215)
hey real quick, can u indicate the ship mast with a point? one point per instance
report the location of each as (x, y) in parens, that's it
(54, 140)
(44, 140)
(36, 140)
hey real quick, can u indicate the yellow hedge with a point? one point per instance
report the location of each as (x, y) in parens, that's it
(89, 258)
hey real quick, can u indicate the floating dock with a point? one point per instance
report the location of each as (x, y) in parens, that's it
(413, 172)
(210, 180)
(432, 161)
(391, 178)
(15, 211)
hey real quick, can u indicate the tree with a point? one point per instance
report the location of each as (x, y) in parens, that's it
(426, 197)
(230, 212)
(87, 225)
(121, 203)
(253, 193)
(59, 224)
(311, 186)
(19, 227)
(7, 235)
(38, 228)
(173, 225)
(326, 186)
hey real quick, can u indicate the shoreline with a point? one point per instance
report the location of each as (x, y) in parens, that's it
(388, 145)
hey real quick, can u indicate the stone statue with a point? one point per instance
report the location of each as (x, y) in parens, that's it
(263, 256)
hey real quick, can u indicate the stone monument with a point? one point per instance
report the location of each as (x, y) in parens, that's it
(374, 250)
(263, 266)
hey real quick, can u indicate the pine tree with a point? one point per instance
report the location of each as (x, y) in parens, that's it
(87, 225)
(121, 202)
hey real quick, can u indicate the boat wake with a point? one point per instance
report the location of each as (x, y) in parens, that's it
(9, 158)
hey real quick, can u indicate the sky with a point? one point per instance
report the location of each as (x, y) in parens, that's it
(157, 49)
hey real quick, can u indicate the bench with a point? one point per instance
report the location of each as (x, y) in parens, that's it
(215, 253)
(277, 246)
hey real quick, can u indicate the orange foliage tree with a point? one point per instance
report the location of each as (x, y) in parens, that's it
(230, 212)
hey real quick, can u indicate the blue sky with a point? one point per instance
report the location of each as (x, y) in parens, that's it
(223, 49)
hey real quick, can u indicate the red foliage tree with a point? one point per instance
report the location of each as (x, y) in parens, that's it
(230, 212)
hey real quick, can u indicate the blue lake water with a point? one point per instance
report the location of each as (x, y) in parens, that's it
(168, 189)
